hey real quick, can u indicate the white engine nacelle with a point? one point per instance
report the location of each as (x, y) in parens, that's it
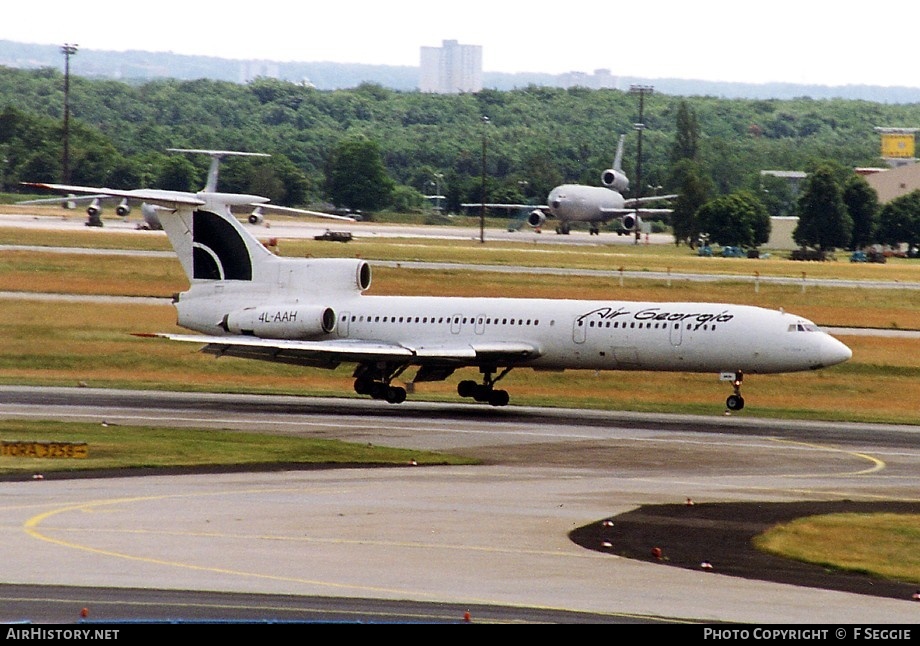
(536, 218)
(631, 222)
(151, 217)
(615, 179)
(281, 321)
(94, 209)
(123, 208)
(256, 216)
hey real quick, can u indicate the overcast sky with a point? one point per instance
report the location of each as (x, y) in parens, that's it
(794, 41)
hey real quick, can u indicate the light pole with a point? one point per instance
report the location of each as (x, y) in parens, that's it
(482, 211)
(641, 90)
(68, 50)
(437, 190)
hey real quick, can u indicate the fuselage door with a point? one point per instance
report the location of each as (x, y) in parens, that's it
(677, 333)
(342, 324)
(579, 330)
(480, 326)
(455, 324)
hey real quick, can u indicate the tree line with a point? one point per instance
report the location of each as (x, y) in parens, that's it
(372, 148)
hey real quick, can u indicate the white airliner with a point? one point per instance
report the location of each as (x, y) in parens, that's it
(594, 205)
(247, 302)
(149, 211)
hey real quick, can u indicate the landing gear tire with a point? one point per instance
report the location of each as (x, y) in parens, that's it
(482, 393)
(499, 397)
(396, 394)
(379, 390)
(374, 380)
(486, 393)
(466, 388)
(363, 386)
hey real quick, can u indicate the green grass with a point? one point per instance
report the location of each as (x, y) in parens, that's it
(134, 447)
(880, 545)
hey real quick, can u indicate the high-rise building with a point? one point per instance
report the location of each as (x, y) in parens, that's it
(451, 68)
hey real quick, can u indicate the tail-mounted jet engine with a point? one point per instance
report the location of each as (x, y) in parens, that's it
(281, 321)
(614, 179)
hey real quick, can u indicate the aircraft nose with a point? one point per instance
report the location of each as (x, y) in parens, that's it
(834, 351)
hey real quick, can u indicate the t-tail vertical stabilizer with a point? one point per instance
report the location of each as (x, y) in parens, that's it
(210, 242)
(614, 178)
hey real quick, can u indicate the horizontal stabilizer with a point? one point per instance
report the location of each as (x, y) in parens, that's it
(151, 196)
(287, 210)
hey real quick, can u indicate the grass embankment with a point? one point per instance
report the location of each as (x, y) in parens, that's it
(136, 447)
(880, 545)
(65, 343)
(95, 344)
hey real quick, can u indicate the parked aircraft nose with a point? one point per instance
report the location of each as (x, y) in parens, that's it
(833, 351)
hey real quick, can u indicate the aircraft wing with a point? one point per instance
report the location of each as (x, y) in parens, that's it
(67, 198)
(287, 210)
(329, 354)
(640, 211)
(472, 205)
(652, 198)
(148, 195)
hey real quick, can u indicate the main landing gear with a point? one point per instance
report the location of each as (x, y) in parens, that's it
(735, 401)
(375, 381)
(485, 392)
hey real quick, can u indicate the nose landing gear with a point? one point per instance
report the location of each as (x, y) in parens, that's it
(735, 401)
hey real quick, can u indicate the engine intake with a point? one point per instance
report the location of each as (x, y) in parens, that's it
(631, 222)
(536, 218)
(614, 179)
(94, 209)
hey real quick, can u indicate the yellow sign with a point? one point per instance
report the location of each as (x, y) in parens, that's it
(18, 449)
(897, 145)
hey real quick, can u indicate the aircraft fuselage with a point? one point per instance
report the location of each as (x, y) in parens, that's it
(579, 203)
(548, 334)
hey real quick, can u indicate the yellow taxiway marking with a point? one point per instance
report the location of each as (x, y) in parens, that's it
(32, 527)
(877, 463)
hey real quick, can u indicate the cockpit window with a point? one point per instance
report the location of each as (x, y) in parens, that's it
(803, 327)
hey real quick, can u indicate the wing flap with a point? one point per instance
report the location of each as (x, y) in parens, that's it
(297, 352)
(330, 354)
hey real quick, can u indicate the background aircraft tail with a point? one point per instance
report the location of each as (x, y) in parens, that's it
(614, 178)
